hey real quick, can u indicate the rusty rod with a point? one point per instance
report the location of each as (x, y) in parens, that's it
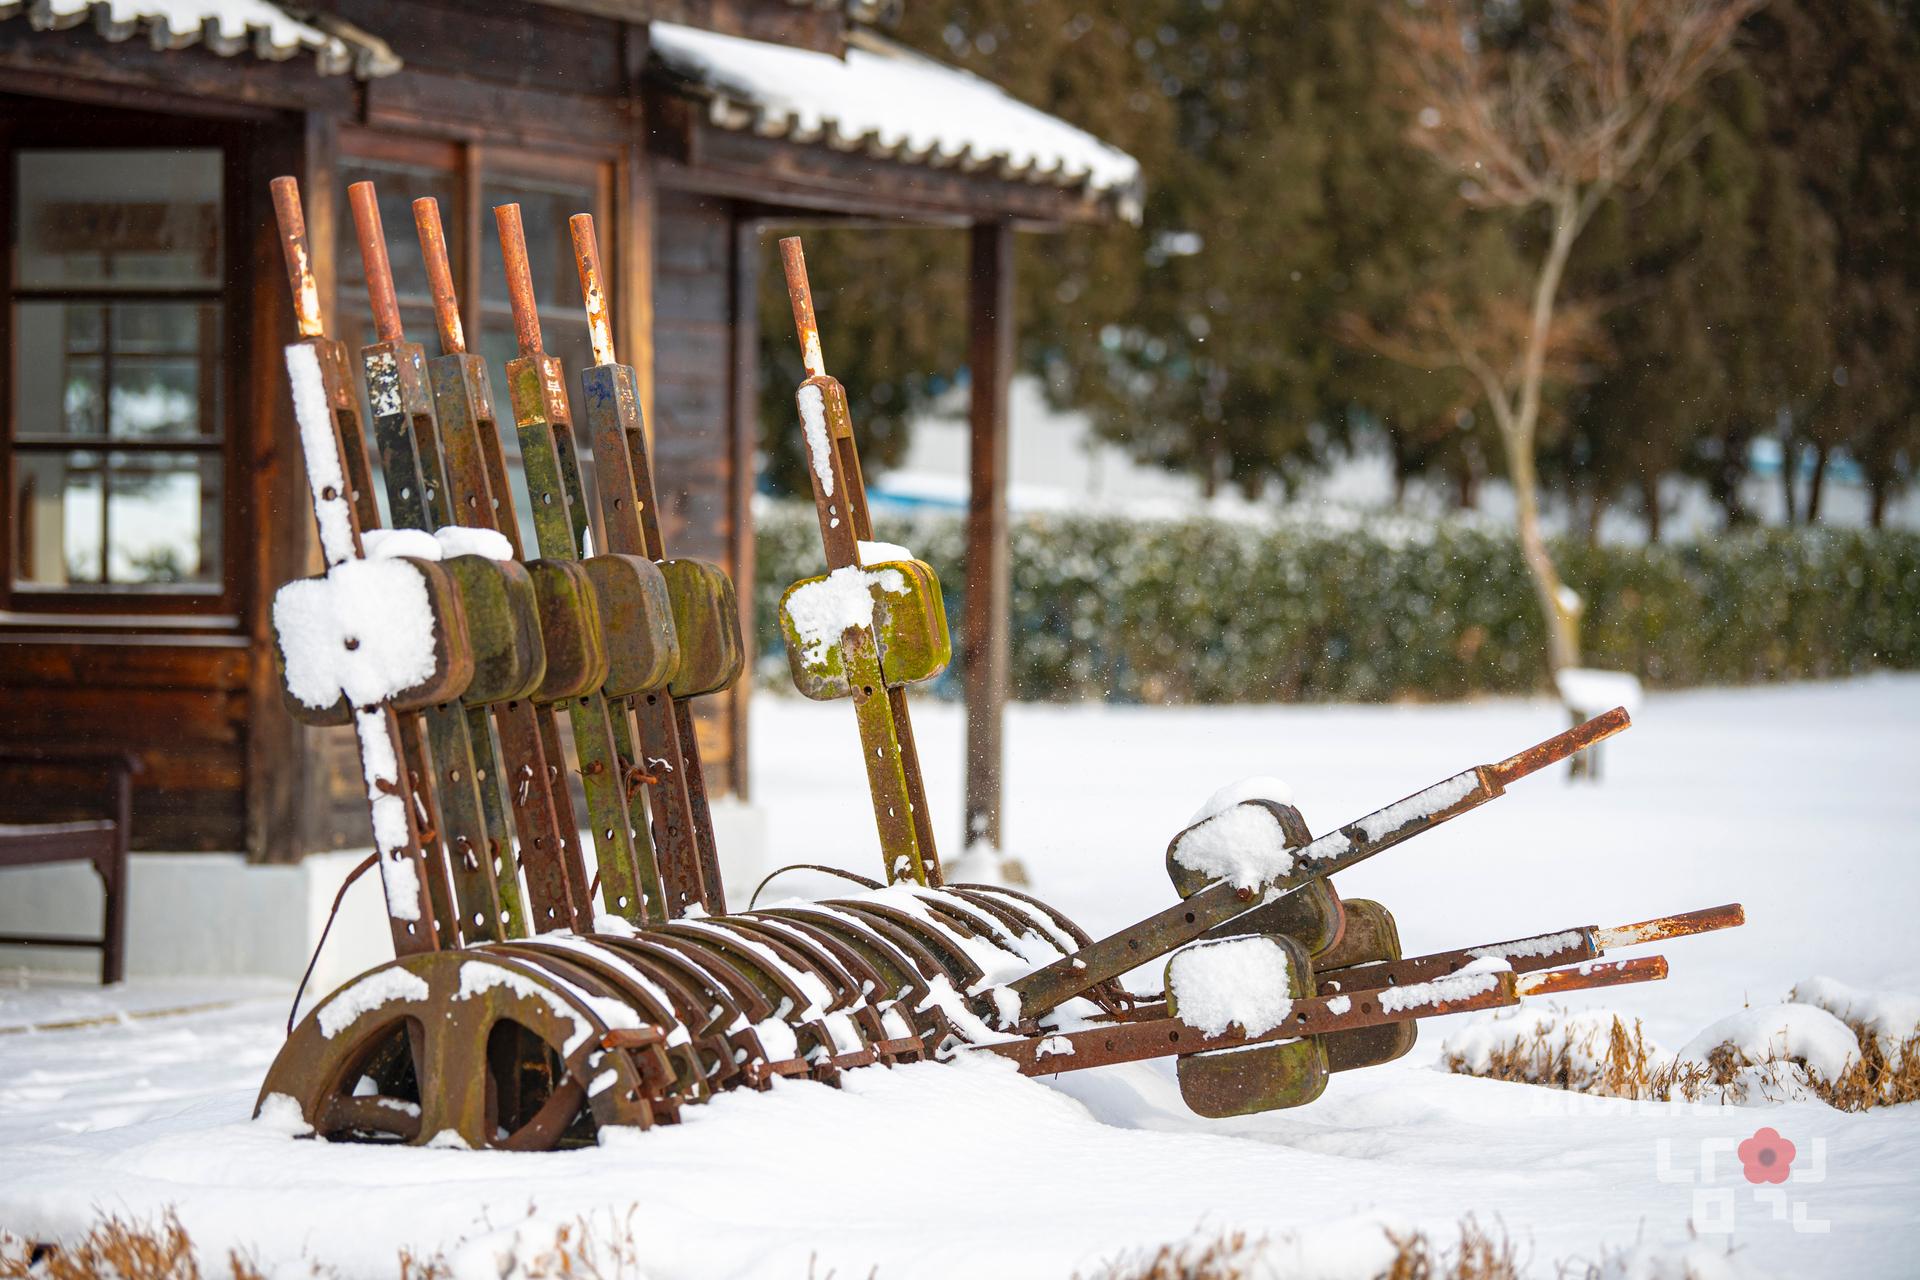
(1560, 746)
(1661, 928)
(1594, 973)
(586, 253)
(446, 300)
(800, 293)
(293, 245)
(373, 253)
(1046, 1054)
(526, 308)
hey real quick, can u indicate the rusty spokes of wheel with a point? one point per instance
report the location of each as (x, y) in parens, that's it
(471, 1049)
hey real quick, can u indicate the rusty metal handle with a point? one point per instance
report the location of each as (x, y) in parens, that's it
(1560, 746)
(800, 293)
(1661, 928)
(293, 245)
(373, 255)
(586, 254)
(513, 251)
(446, 299)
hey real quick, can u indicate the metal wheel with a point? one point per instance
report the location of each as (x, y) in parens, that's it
(453, 1047)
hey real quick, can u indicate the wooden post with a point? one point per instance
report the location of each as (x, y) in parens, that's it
(985, 622)
(744, 392)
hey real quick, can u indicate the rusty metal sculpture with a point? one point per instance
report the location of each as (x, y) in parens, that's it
(517, 1014)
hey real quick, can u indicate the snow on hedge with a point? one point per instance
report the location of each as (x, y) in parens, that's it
(1798, 1033)
(1889, 1016)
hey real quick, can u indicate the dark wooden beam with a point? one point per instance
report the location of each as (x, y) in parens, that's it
(275, 526)
(990, 323)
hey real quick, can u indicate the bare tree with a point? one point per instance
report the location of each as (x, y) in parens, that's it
(1547, 120)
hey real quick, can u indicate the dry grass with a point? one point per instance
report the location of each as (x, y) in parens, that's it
(1480, 1255)
(1564, 1057)
(125, 1249)
(1230, 1255)
(121, 1248)
(1874, 1079)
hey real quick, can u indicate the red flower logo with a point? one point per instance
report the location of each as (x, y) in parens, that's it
(1766, 1156)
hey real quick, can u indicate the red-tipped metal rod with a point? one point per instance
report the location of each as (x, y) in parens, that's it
(526, 309)
(586, 253)
(293, 245)
(800, 293)
(365, 202)
(446, 299)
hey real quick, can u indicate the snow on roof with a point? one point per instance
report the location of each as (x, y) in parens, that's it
(225, 26)
(893, 103)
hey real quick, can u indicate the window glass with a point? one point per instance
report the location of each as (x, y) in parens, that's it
(116, 415)
(128, 369)
(108, 520)
(134, 219)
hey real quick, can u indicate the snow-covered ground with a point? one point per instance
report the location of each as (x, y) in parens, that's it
(1800, 802)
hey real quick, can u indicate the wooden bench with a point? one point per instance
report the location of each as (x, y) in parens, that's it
(102, 842)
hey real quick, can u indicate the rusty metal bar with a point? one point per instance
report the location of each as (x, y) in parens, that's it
(630, 881)
(1594, 973)
(686, 855)
(586, 254)
(1559, 747)
(373, 252)
(1047, 1054)
(1221, 901)
(793, 258)
(446, 299)
(293, 245)
(416, 915)
(1661, 928)
(901, 813)
(469, 446)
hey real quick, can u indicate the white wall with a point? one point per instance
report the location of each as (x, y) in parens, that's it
(194, 914)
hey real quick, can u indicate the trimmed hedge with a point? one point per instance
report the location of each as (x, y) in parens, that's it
(1214, 611)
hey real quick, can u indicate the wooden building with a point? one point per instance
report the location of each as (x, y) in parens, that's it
(154, 494)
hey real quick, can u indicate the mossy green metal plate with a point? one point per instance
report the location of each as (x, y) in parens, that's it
(636, 612)
(706, 621)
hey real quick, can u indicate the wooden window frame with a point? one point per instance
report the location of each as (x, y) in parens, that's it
(79, 128)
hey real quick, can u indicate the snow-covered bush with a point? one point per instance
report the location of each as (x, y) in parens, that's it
(1848, 1048)
(1209, 610)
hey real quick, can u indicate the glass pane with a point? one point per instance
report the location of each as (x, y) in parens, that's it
(129, 370)
(117, 520)
(58, 519)
(104, 219)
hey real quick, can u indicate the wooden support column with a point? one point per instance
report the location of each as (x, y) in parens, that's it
(743, 438)
(985, 621)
